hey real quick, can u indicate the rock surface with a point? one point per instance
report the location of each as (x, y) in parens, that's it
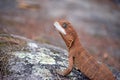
(23, 59)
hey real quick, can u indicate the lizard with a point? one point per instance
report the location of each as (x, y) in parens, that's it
(78, 57)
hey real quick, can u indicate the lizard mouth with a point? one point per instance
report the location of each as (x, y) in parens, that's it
(59, 28)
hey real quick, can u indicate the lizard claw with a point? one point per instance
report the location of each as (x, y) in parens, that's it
(59, 72)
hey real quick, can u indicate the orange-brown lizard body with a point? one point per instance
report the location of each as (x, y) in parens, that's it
(78, 57)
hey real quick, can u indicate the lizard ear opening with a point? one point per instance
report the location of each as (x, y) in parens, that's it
(70, 42)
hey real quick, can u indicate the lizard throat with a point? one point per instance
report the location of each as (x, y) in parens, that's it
(59, 28)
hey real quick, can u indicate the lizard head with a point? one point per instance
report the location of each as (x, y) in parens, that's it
(66, 31)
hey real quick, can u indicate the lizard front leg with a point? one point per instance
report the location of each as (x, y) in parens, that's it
(69, 69)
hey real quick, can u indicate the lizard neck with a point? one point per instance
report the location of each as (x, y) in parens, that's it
(76, 44)
(76, 48)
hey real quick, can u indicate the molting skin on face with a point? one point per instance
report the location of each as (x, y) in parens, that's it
(59, 28)
(64, 26)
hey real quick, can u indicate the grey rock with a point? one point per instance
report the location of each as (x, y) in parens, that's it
(28, 60)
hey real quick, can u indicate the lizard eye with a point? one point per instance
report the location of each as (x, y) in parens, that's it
(64, 25)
